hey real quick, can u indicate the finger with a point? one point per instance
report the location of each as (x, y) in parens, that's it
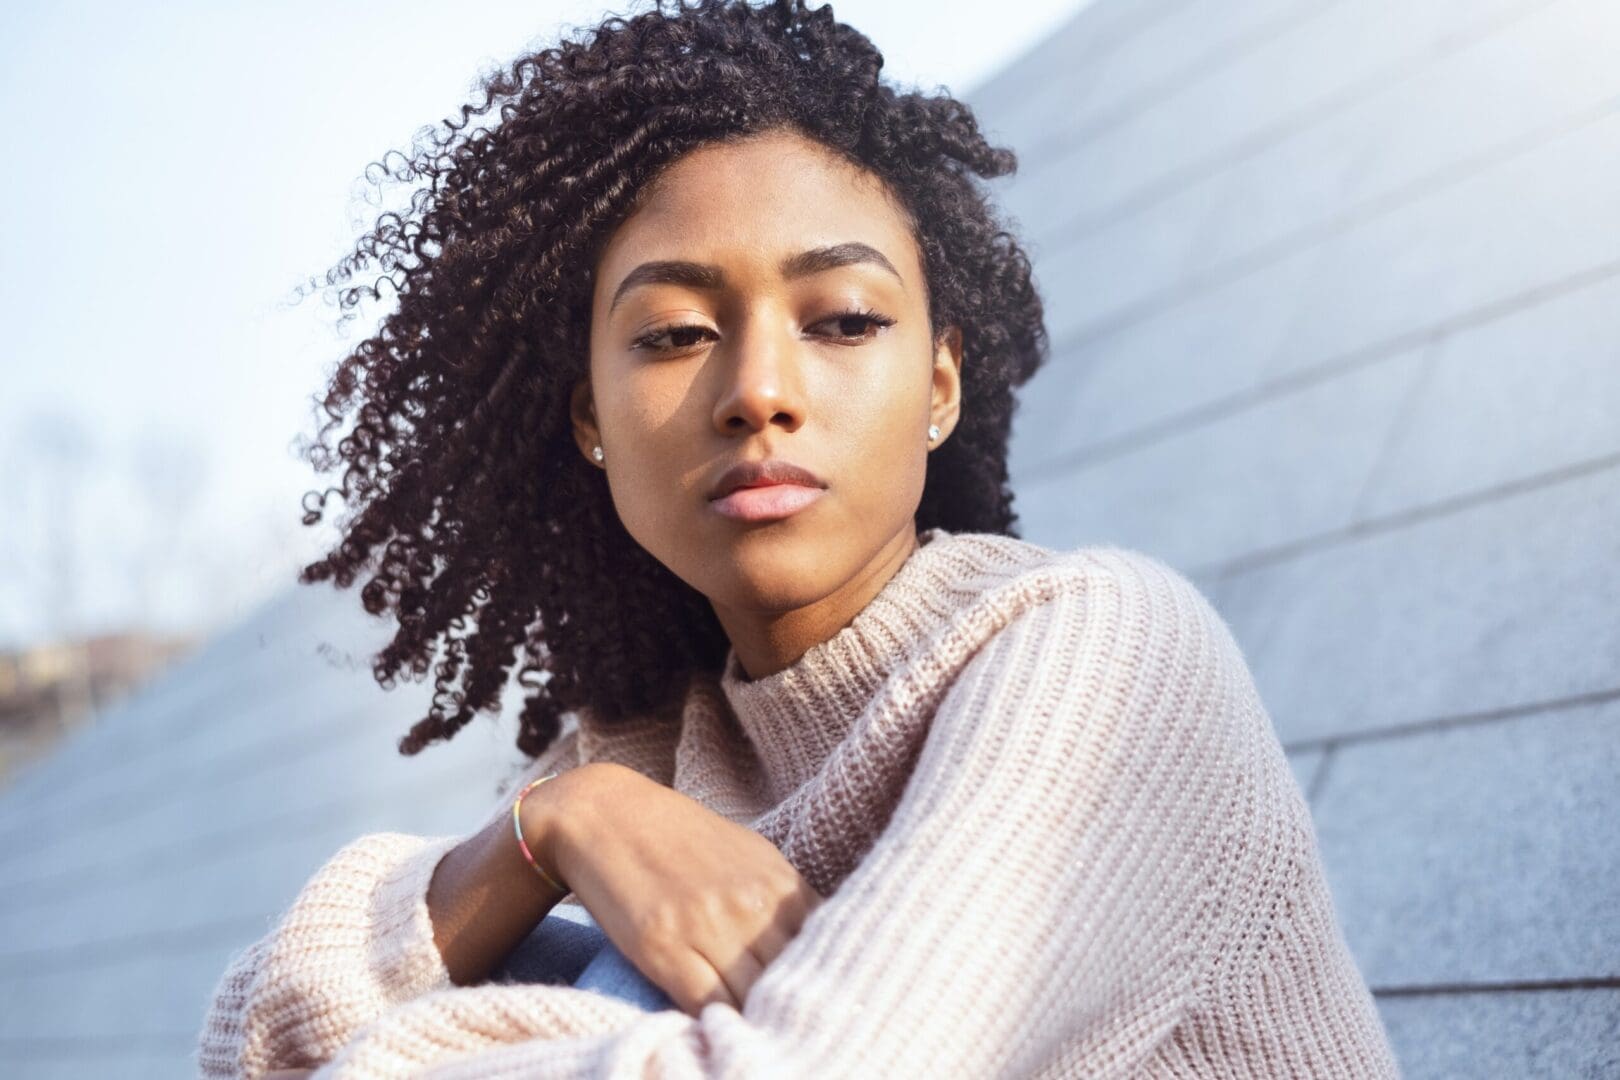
(772, 939)
(740, 972)
(697, 982)
(799, 907)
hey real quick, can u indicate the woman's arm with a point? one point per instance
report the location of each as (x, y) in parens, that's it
(484, 897)
(1048, 888)
(389, 918)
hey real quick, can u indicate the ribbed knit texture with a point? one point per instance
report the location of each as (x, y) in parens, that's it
(1056, 830)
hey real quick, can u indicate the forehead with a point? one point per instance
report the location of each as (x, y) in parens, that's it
(754, 201)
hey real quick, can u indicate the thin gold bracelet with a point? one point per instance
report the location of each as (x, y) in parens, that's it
(517, 827)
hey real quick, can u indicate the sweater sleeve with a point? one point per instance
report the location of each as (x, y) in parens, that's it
(1045, 891)
(356, 942)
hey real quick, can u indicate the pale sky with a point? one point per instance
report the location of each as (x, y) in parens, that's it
(175, 171)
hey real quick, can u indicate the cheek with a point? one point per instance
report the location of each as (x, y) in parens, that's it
(648, 426)
(876, 421)
(641, 409)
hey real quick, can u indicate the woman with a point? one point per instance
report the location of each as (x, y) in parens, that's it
(698, 396)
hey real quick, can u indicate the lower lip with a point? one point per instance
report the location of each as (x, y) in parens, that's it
(768, 503)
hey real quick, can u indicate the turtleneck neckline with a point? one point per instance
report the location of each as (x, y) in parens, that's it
(795, 717)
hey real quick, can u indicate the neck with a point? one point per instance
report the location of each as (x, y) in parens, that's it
(767, 642)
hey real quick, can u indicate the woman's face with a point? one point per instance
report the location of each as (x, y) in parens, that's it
(766, 301)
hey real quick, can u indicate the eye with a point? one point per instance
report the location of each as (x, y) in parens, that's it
(855, 324)
(852, 327)
(681, 336)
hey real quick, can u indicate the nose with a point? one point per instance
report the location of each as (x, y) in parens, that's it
(762, 387)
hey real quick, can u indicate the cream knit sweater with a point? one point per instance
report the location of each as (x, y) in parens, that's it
(1056, 831)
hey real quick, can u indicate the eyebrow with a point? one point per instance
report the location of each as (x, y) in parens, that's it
(705, 276)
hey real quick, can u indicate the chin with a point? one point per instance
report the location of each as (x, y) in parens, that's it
(768, 567)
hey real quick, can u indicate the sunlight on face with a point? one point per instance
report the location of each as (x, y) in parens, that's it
(738, 346)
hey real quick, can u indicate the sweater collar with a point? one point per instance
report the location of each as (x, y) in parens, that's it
(795, 717)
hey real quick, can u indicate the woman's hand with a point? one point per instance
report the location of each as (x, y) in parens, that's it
(700, 904)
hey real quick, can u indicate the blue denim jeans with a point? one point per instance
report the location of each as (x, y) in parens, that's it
(567, 948)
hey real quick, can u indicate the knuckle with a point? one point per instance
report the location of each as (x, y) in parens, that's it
(792, 883)
(660, 925)
(758, 898)
(715, 908)
(692, 994)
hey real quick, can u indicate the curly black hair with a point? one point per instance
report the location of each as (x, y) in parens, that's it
(468, 504)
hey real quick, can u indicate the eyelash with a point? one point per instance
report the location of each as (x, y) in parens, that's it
(645, 340)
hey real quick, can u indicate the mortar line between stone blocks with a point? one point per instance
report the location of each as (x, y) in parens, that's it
(1598, 982)
(1441, 723)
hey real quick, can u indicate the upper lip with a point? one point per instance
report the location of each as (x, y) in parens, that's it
(746, 474)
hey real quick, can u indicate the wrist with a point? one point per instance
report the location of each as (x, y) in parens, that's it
(547, 817)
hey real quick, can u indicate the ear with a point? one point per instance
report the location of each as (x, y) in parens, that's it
(946, 405)
(582, 411)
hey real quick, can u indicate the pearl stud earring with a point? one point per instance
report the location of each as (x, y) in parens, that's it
(933, 432)
(596, 452)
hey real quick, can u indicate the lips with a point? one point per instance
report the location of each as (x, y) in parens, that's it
(765, 490)
(749, 474)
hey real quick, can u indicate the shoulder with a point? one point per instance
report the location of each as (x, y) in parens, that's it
(1003, 578)
(1125, 661)
(1106, 629)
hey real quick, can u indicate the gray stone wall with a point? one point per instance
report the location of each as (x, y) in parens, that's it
(1334, 291)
